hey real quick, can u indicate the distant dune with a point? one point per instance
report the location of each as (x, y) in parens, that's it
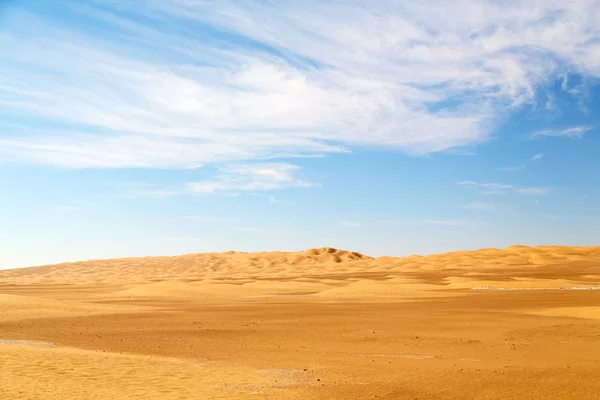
(514, 323)
(520, 260)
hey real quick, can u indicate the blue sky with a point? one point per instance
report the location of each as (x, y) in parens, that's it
(391, 128)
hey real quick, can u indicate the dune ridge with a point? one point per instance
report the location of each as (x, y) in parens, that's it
(327, 261)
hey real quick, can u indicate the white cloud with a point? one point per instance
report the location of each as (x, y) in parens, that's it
(294, 78)
(502, 188)
(427, 222)
(573, 133)
(565, 82)
(522, 166)
(231, 180)
(480, 206)
(488, 186)
(493, 192)
(350, 224)
(250, 177)
(533, 191)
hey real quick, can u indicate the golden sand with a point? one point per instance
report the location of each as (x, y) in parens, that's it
(517, 323)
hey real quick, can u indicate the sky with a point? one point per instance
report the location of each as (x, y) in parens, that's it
(163, 127)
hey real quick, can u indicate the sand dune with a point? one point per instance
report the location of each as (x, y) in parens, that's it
(514, 323)
(514, 261)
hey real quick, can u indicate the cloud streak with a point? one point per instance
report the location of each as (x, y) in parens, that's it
(522, 166)
(230, 180)
(444, 222)
(240, 81)
(250, 177)
(533, 191)
(576, 132)
(495, 188)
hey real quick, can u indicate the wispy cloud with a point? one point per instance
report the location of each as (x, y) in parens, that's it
(231, 180)
(533, 191)
(350, 224)
(573, 133)
(521, 166)
(427, 222)
(494, 188)
(239, 81)
(489, 185)
(565, 82)
(250, 177)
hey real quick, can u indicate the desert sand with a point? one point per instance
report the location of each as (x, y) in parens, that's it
(516, 323)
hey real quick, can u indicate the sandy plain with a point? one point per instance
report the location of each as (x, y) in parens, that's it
(516, 323)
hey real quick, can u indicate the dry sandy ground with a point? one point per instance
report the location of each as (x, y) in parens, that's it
(518, 323)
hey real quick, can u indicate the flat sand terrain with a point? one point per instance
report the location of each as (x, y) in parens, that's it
(517, 323)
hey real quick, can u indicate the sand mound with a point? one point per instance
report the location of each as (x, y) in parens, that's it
(328, 255)
(230, 264)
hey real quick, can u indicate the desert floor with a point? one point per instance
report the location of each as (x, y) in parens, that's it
(517, 323)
